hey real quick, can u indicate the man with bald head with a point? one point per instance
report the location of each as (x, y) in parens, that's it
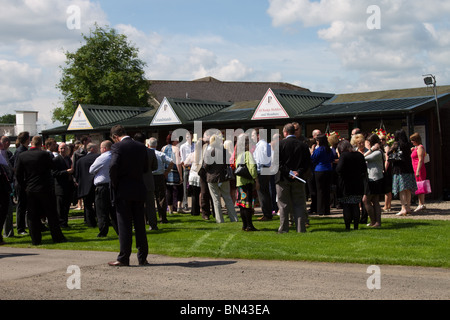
(63, 183)
(106, 214)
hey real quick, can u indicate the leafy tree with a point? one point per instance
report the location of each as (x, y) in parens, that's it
(104, 71)
(8, 118)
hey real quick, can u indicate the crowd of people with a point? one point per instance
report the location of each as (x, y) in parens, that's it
(129, 181)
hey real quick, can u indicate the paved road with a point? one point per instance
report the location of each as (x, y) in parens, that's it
(39, 274)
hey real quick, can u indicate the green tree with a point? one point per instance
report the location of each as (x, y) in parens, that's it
(8, 118)
(104, 71)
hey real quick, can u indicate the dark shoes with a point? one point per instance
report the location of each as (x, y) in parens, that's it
(249, 229)
(122, 264)
(61, 240)
(118, 264)
(264, 218)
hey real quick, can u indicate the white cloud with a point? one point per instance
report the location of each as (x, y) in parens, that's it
(184, 57)
(413, 37)
(40, 20)
(34, 37)
(18, 82)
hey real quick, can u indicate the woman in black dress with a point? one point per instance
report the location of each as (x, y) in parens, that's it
(352, 182)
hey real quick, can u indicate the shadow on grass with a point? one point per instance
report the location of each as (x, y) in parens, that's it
(319, 225)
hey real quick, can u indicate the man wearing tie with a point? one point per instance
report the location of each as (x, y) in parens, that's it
(129, 162)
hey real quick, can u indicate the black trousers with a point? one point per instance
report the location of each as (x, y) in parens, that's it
(40, 205)
(62, 208)
(206, 205)
(195, 209)
(150, 209)
(351, 213)
(131, 214)
(4, 205)
(160, 196)
(323, 185)
(106, 215)
(312, 189)
(264, 197)
(21, 209)
(89, 208)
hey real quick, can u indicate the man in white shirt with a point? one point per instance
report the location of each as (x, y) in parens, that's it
(106, 215)
(185, 150)
(262, 156)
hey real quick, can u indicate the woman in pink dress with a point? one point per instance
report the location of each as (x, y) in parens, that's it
(418, 161)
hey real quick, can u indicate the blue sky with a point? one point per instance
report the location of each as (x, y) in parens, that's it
(325, 46)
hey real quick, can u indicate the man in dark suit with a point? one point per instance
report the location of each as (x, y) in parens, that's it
(129, 162)
(33, 173)
(9, 169)
(23, 139)
(63, 183)
(294, 161)
(150, 209)
(81, 151)
(85, 180)
(5, 190)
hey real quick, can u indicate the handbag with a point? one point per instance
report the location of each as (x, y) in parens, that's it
(423, 187)
(243, 172)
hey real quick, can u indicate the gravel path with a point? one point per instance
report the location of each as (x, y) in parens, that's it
(33, 274)
(37, 274)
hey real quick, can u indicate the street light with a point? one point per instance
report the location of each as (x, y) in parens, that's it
(430, 80)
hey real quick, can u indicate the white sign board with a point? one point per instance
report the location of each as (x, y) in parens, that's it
(80, 121)
(165, 115)
(269, 108)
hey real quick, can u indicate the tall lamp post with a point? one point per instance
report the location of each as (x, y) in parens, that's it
(430, 80)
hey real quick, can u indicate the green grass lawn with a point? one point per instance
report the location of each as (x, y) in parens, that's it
(399, 241)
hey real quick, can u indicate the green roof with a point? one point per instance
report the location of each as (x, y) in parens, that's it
(189, 110)
(141, 120)
(100, 117)
(104, 115)
(239, 111)
(390, 94)
(375, 107)
(297, 102)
